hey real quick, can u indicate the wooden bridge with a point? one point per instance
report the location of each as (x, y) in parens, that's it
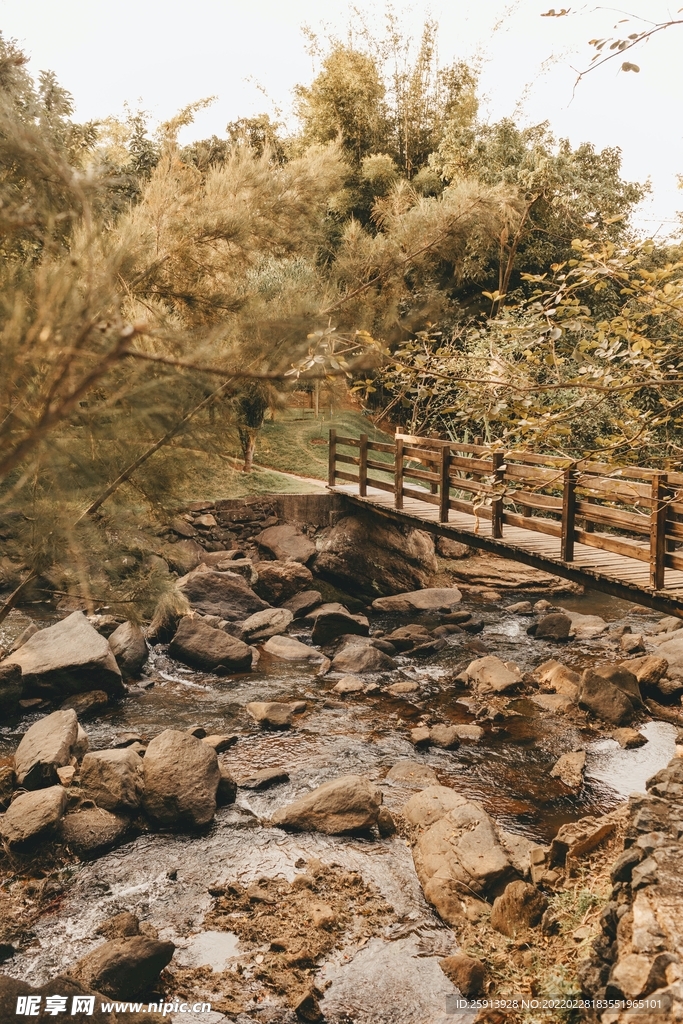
(613, 529)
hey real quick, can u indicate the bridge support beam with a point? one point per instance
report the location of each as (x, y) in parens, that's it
(568, 514)
(658, 531)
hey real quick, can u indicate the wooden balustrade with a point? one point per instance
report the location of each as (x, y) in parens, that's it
(631, 511)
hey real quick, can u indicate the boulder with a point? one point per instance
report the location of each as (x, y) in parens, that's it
(329, 625)
(225, 594)
(406, 637)
(45, 747)
(301, 604)
(555, 626)
(648, 670)
(91, 831)
(86, 704)
(263, 625)
(287, 543)
(569, 769)
(461, 854)
(557, 678)
(585, 627)
(369, 557)
(338, 807)
(491, 675)
(66, 658)
(412, 774)
(271, 714)
(181, 776)
(279, 582)
(32, 815)
(289, 649)
(112, 779)
(349, 684)
(629, 738)
(129, 647)
(356, 660)
(123, 968)
(467, 974)
(445, 736)
(610, 693)
(519, 908)
(431, 805)
(7, 780)
(209, 649)
(10, 689)
(432, 599)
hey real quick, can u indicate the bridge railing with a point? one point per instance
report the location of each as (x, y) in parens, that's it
(631, 511)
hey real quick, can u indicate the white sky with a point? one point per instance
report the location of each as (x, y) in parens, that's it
(162, 54)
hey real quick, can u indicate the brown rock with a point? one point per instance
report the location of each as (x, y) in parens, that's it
(467, 974)
(629, 738)
(445, 736)
(32, 815)
(45, 747)
(280, 582)
(432, 804)
(520, 907)
(569, 769)
(209, 649)
(412, 774)
(303, 603)
(129, 647)
(86, 704)
(91, 831)
(287, 543)
(225, 594)
(123, 968)
(338, 807)
(271, 714)
(181, 777)
(112, 779)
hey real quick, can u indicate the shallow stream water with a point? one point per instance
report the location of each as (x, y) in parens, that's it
(165, 878)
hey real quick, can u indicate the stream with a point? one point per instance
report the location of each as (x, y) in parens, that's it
(393, 978)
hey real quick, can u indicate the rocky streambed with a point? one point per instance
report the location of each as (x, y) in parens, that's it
(293, 810)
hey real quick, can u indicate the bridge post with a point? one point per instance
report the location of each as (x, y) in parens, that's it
(658, 531)
(398, 473)
(568, 514)
(363, 466)
(498, 460)
(332, 459)
(444, 483)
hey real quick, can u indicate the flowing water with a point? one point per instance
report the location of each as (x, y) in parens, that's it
(394, 977)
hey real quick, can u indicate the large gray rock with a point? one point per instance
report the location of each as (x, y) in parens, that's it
(33, 815)
(370, 557)
(430, 599)
(123, 968)
(339, 807)
(491, 675)
(289, 649)
(91, 831)
(10, 689)
(263, 625)
(112, 778)
(287, 543)
(129, 647)
(611, 693)
(279, 582)
(358, 659)
(225, 594)
(45, 747)
(181, 776)
(202, 646)
(329, 625)
(68, 657)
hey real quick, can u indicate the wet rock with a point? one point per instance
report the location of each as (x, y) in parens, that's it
(112, 779)
(555, 626)
(338, 807)
(420, 736)
(289, 649)
(209, 649)
(129, 647)
(367, 556)
(648, 670)
(412, 774)
(629, 738)
(329, 625)
(266, 778)
(467, 974)
(569, 769)
(303, 603)
(403, 686)
(271, 714)
(445, 736)
(428, 600)
(356, 660)
(386, 826)
(468, 733)
(429, 649)
(66, 658)
(433, 803)
(33, 815)
(447, 630)
(406, 637)
(521, 608)
(557, 678)
(227, 788)
(45, 747)
(225, 594)
(668, 624)
(219, 741)
(86, 704)
(181, 776)
(287, 543)
(611, 693)
(585, 627)
(263, 625)
(349, 684)
(631, 643)
(123, 968)
(491, 675)
(7, 781)
(10, 689)
(519, 908)
(279, 582)
(91, 831)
